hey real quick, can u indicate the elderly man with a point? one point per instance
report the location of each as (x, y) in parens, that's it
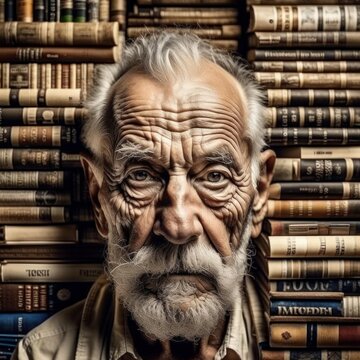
(178, 184)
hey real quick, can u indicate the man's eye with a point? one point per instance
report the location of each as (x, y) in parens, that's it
(140, 175)
(215, 177)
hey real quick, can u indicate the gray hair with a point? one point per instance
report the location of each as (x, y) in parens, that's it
(166, 56)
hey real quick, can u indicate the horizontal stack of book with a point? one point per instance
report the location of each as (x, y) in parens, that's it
(215, 20)
(308, 256)
(50, 252)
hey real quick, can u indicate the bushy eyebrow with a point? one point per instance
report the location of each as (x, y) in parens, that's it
(128, 152)
(220, 156)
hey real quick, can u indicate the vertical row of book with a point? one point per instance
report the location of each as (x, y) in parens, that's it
(308, 256)
(49, 251)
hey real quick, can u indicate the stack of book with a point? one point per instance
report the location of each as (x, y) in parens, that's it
(308, 257)
(49, 251)
(215, 20)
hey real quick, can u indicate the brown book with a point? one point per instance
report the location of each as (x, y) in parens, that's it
(26, 297)
(307, 66)
(187, 2)
(278, 80)
(34, 198)
(304, 18)
(193, 22)
(311, 136)
(24, 10)
(303, 54)
(335, 117)
(308, 246)
(299, 2)
(272, 354)
(312, 97)
(315, 191)
(314, 335)
(319, 152)
(313, 209)
(118, 12)
(59, 34)
(324, 39)
(104, 10)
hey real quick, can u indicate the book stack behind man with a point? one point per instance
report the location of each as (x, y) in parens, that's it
(215, 20)
(49, 252)
(308, 256)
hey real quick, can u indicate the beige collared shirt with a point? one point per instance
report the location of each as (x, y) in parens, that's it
(96, 329)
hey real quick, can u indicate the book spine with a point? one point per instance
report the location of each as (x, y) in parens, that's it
(21, 323)
(34, 198)
(40, 297)
(50, 272)
(92, 12)
(42, 116)
(10, 10)
(325, 39)
(33, 214)
(308, 55)
(24, 10)
(313, 208)
(334, 117)
(52, 11)
(104, 10)
(272, 354)
(313, 269)
(283, 227)
(306, 67)
(39, 10)
(38, 136)
(118, 12)
(308, 307)
(311, 97)
(316, 191)
(314, 335)
(304, 18)
(347, 286)
(311, 136)
(79, 10)
(317, 170)
(66, 10)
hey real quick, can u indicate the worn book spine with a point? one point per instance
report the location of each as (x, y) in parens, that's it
(304, 18)
(312, 269)
(272, 354)
(306, 67)
(39, 12)
(314, 208)
(60, 34)
(49, 272)
(21, 323)
(315, 191)
(188, 21)
(66, 10)
(314, 335)
(319, 152)
(312, 97)
(34, 198)
(36, 234)
(10, 10)
(92, 11)
(293, 2)
(39, 136)
(186, 2)
(310, 245)
(346, 286)
(24, 10)
(308, 55)
(334, 117)
(104, 10)
(309, 39)
(118, 12)
(41, 97)
(79, 10)
(41, 297)
(53, 11)
(186, 12)
(302, 80)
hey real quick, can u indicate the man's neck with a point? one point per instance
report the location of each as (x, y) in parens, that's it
(177, 348)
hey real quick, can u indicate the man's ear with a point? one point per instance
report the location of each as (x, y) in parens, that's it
(94, 184)
(267, 163)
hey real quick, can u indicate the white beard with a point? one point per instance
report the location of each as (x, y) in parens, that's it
(150, 288)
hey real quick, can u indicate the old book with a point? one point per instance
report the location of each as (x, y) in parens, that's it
(10, 10)
(41, 97)
(38, 179)
(311, 136)
(37, 159)
(315, 191)
(309, 246)
(24, 10)
(79, 10)
(309, 39)
(34, 234)
(39, 136)
(323, 152)
(50, 271)
(313, 209)
(299, 2)
(34, 198)
(66, 10)
(21, 323)
(39, 11)
(307, 66)
(304, 18)
(41, 297)
(52, 10)
(302, 80)
(118, 12)
(312, 97)
(104, 10)
(314, 335)
(192, 22)
(59, 34)
(274, 354)
(92, 10)
(42, 116)
(335, 117)
(303, 54)
(313, 170)
(290, 227)
(187, 2)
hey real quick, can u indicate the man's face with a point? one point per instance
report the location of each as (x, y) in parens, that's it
(177, 197)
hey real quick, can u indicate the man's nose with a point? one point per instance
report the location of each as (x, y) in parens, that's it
(178, 212)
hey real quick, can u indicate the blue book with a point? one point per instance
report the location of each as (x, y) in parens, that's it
(21, 323)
